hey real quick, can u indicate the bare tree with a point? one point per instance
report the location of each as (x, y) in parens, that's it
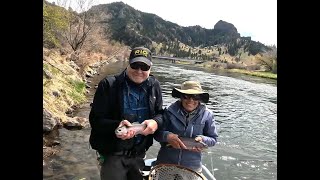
(269, 60)
(80, 22)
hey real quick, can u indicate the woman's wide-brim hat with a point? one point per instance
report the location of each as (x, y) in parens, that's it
(191, 87)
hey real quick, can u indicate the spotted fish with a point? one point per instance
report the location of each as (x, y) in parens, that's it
(190, 143)
(137, 127)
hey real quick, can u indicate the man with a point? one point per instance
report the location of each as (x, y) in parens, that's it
(133, 96)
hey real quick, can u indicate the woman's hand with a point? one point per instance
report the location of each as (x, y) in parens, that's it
(175, 142)
(195, 149)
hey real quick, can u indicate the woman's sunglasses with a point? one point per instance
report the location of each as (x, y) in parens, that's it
(195, 97)
(137, 65)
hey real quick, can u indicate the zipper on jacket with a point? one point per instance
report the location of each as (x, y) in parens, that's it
(191, 130)
(187, 122)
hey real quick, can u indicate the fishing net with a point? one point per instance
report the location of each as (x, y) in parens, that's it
(173, 172)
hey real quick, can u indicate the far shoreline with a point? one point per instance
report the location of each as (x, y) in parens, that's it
(257, 73)
(262, 74)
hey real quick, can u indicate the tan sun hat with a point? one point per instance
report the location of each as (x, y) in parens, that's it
(191, 87)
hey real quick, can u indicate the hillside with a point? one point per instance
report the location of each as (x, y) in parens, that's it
(222, 44)
(134, 27)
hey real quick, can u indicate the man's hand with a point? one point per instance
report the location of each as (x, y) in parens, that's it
(127, 135)
(152, 126)
(175, 142)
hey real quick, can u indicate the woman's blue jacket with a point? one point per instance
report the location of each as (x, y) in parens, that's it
(202, 124)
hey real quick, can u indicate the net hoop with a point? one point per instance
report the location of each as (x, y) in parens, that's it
(173, 172)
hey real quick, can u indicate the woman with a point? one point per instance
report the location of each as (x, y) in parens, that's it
(187, 117)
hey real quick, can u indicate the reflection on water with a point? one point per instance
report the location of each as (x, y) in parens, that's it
(245, 110)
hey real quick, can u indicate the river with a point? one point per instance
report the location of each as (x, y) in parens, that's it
(245, 109)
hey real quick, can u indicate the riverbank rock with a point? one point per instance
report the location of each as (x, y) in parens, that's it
(76, 123)
(49, 122)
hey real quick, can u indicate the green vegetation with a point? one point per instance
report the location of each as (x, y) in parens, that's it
(54, 21)
(79, 88)
(50, 68)
(46, 66)
(63, 89)
(255, 73)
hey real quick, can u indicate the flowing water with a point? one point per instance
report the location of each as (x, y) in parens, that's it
(245, 109)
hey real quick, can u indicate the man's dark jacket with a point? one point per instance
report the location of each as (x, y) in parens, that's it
(106, 113)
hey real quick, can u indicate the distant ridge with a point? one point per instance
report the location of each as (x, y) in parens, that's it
(133, 27)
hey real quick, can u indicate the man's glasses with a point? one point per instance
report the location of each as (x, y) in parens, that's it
(142, 66)
(195, 97)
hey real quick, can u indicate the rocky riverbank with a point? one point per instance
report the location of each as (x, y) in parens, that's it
(66, 82)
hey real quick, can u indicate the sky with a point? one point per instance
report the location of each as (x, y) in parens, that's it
(255, 18)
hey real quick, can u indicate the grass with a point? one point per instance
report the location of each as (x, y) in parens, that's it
(255, 73)
(63, 90)
(247, 72)
(78, 91)
(46, 66)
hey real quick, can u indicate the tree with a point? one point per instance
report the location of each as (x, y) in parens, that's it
(269, 60)
(80, 23)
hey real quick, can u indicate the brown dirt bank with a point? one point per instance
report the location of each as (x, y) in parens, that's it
(66, 82)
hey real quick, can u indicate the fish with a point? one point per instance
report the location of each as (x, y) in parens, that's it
(190, 143)
(137, 127)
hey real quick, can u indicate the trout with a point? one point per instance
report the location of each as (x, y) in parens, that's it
(136, 127)
(191, 143)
